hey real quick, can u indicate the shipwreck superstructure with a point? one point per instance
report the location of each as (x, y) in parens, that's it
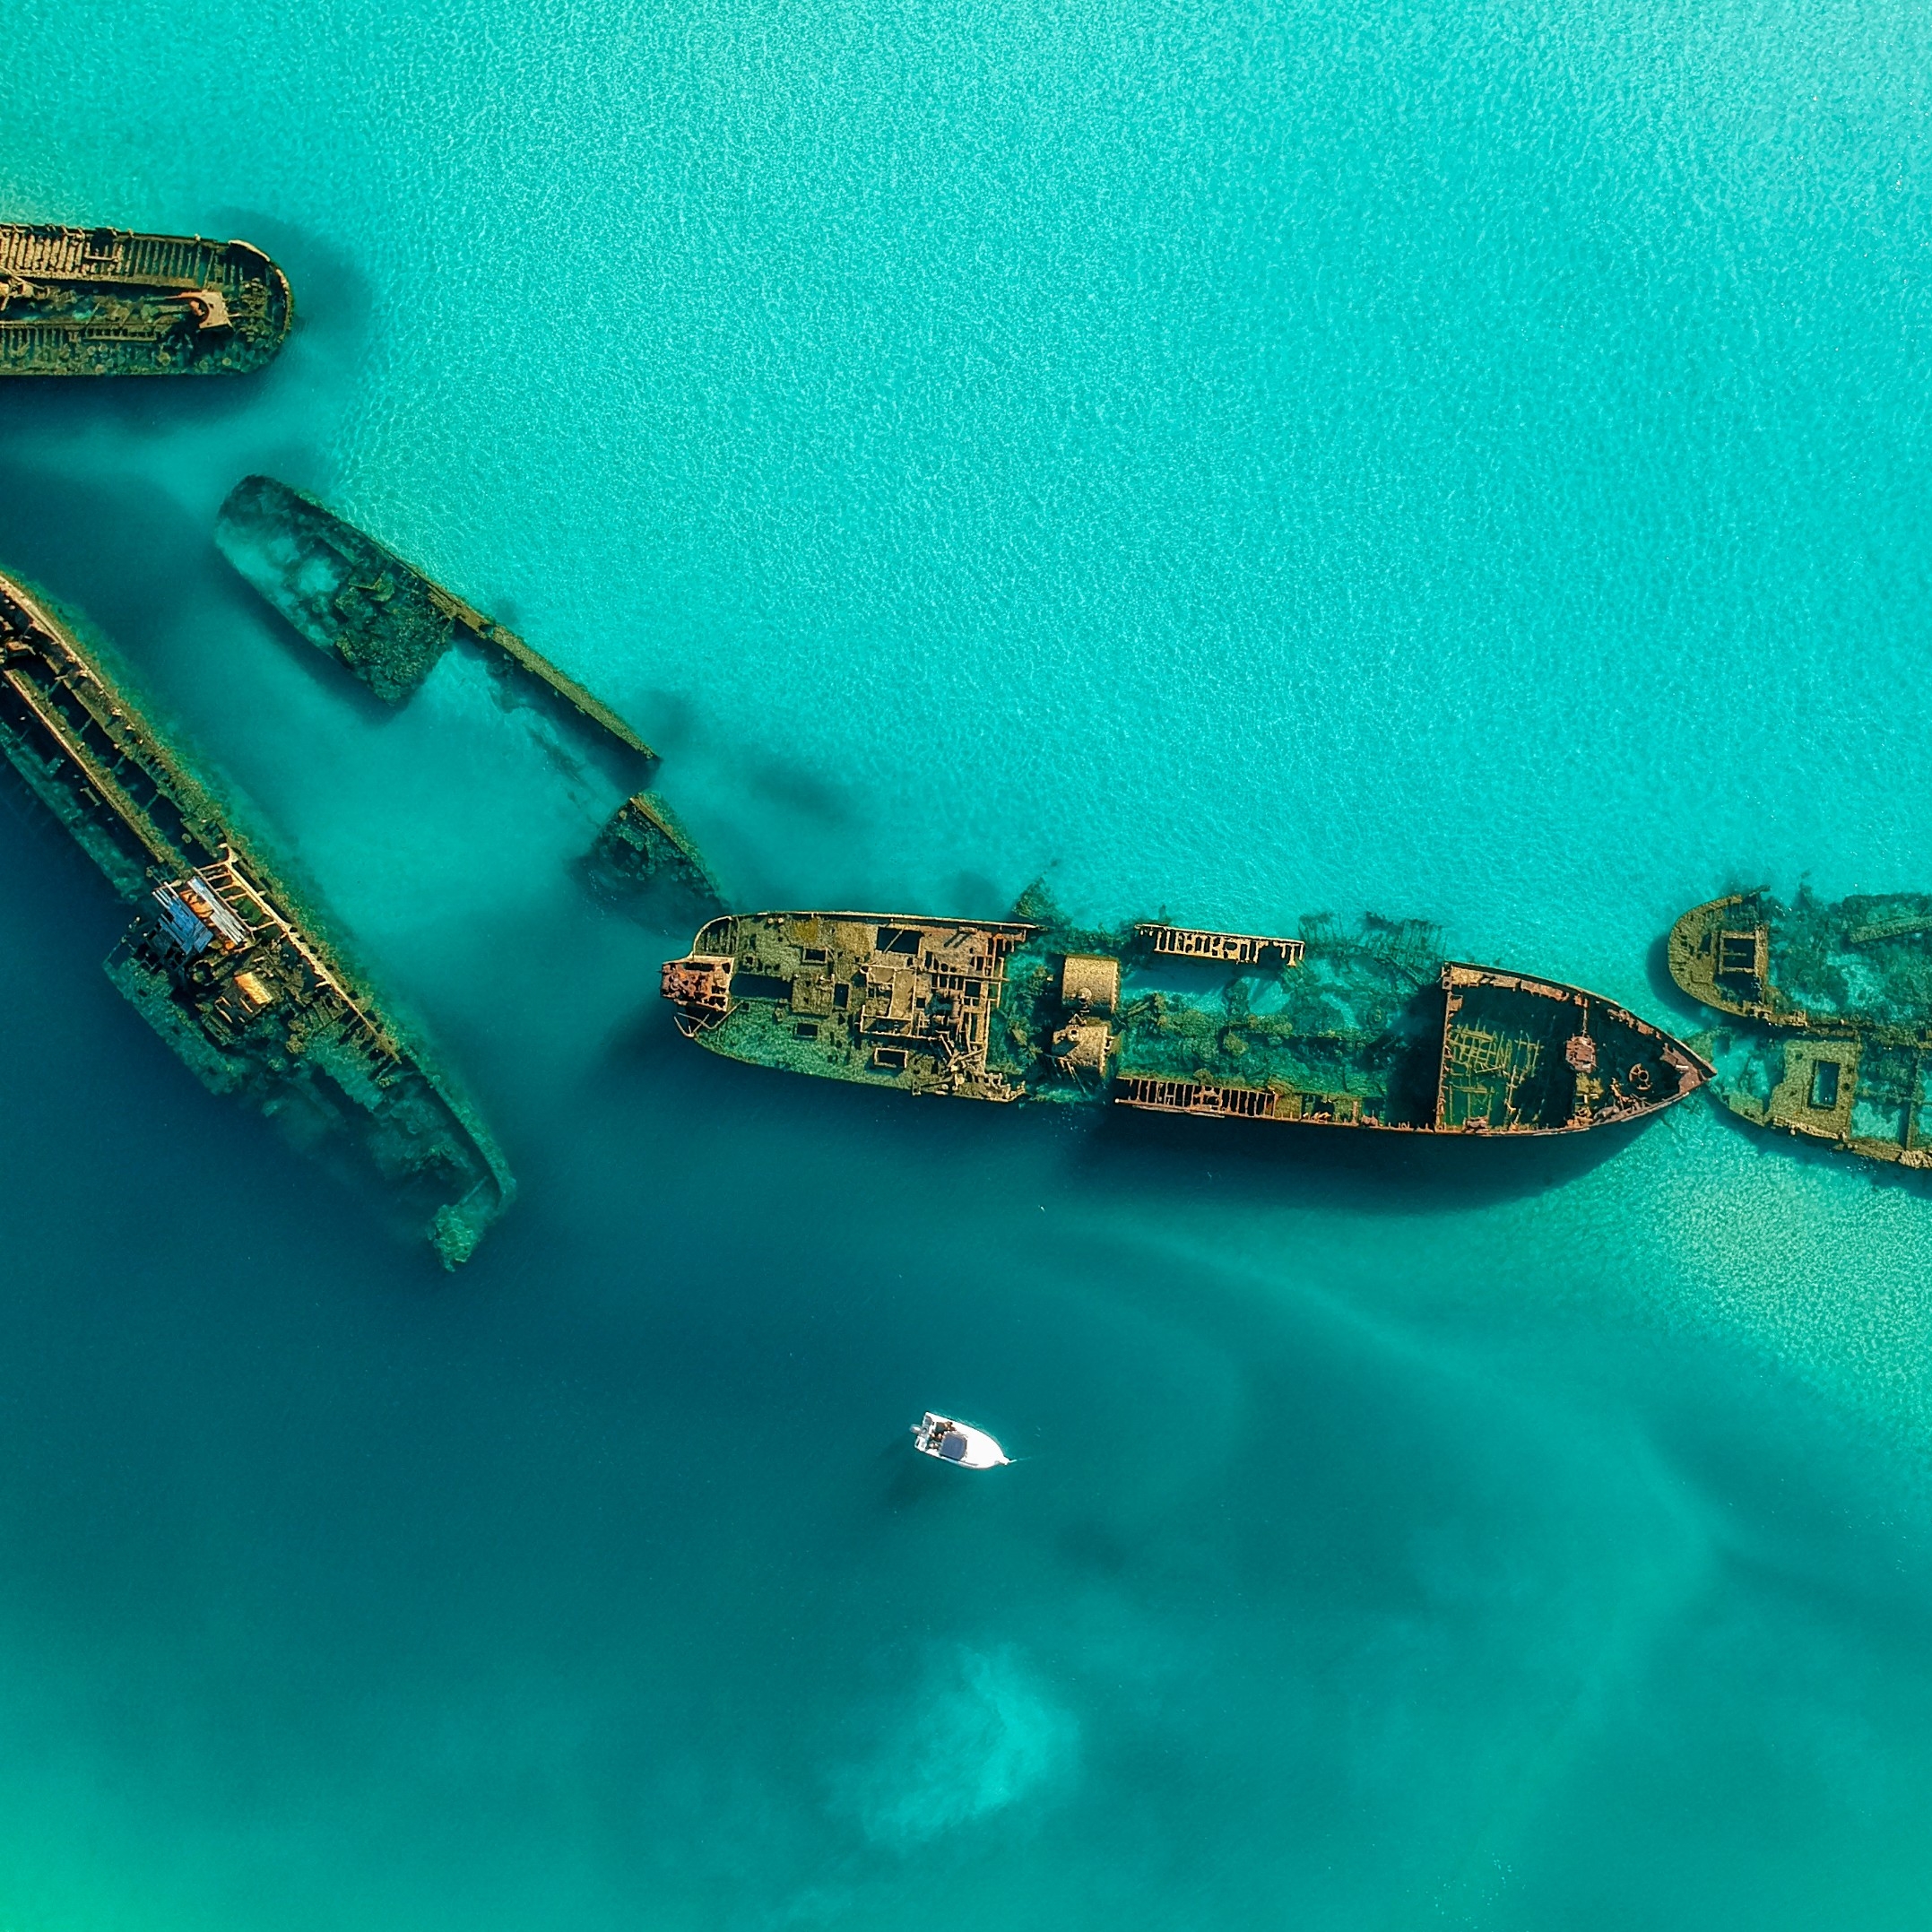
(105, 301)
(390, 625)
(221, 959)
(1835, 1006)
(1371, 1029)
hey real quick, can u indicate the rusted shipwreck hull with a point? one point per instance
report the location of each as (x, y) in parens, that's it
(1830, 1005)
(222, 960)
(1371, 1029)
(105, 301)
(390, 625)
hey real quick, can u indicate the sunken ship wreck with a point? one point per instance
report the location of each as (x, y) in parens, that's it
(1833, 1005)
(221, 958)
(105, 301)
(390, 626)
(1370, 1029)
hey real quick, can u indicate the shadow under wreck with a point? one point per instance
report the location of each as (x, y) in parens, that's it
(353, 597)
(105, 301)
(1837, 1004)
(1371, 1030)
(222, 960)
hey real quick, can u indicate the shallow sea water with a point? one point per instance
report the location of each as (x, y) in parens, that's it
(1468, 461)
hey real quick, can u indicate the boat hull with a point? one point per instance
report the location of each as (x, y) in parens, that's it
(221, 960)
(103, 301)
(1830, 1005)
(1372, 1031)
(959, 1443)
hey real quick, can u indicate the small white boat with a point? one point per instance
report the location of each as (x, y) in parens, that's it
(957, 1442)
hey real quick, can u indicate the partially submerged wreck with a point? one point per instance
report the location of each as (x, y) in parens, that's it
(105, 301)
(1862, 962)
(221, 959)
(644, 846)
(1837, 1004)
(1371, 1030)
(355, 598)
(390, 625)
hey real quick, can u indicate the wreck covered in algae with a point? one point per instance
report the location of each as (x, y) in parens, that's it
(222, 960)
(1371, 1029)
(1837, 1001)
(353, 597)
(645, 845)
(105, 301)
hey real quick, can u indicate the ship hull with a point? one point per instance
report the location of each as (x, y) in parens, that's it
(1830, 1012)
(111, 302)
(1863, 962)
(354, 597)
(1372, 1031)
(221, 960)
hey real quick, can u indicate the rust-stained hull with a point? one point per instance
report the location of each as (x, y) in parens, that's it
(221, 958)
(1369, 1030)
(104, 301)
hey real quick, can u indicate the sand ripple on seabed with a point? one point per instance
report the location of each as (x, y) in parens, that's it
(1811, 1258)
(979, 1732)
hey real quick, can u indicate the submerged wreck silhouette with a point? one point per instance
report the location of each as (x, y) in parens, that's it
(221, 960)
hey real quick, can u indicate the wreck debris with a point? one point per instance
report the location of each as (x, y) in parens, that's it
(221, 959)
(644, 846)
(105, 301)
(1838, 1001)
(1371, 1030)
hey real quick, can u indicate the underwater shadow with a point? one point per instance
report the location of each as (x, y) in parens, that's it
(1665, 990)
(128, 557)
(1282, 1162)
(1124, 1153)
(141, 408)
(515, 691)
(798, 787)
(135, 564)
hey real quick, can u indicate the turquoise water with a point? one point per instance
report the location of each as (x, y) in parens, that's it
(1467, 461)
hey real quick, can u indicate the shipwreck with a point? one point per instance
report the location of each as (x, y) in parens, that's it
(105, 301)
(390, 625)
(1835, 1004)
(1371, 1029)
(221, 960)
